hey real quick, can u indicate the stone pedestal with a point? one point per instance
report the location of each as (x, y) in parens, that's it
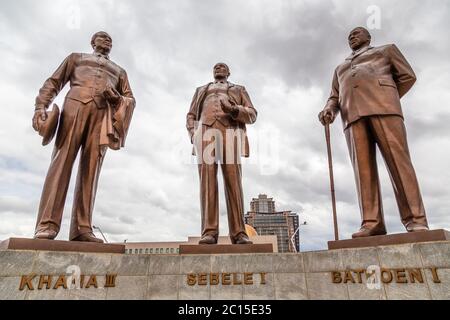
(225, 248)
(391, 239)
(407, 271)
(57, 245)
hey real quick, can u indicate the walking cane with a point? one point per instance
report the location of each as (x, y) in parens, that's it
(330, 167)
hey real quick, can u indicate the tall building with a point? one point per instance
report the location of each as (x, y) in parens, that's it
(267, 221)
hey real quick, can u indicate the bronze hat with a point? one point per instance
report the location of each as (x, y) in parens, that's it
(47, 128)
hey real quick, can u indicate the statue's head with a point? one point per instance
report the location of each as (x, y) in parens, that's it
(221, 71)
(358, 38)
(101, 42)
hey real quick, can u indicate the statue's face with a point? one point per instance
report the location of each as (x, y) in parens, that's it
(357, 38)
(221, 71)
(103, 42)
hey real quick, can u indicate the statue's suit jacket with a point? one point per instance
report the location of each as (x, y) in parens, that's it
(246, 115)
(89, 75)
(371, 82)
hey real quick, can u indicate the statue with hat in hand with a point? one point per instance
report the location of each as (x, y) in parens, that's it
(96, 115)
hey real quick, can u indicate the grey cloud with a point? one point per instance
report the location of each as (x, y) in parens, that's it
(16, 204)
(127, 220)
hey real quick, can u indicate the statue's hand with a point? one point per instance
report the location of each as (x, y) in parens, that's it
(191, 134)
(39, 115)
(327, 116)
(228, 106)
(112, 95)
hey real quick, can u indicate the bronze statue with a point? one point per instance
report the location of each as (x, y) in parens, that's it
(216, 124)
(366, 90)
(96, 115)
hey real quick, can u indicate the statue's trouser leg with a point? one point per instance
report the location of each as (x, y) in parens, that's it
(209, 201)
(230, 159)
(235, 200)
(68, 142)
(362, 149)
(214, 150)
(91, 159)
(209, 191)
(390, 135)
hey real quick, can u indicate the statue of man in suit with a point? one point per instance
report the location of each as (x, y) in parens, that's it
(96, 115)
(216, 123)
(366, 90)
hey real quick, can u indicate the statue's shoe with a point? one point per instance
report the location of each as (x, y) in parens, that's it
(242, 239)
(208, 239)
(368, 232)
(416, 227)
(88, 237)
(47, 234)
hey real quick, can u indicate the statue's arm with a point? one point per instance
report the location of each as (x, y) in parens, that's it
(53, 85)
(124, 86)
(333, 99)
(331, 109)
(245, 112)
(402, 72)
(192, 115)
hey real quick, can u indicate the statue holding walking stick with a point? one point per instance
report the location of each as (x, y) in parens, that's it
(366, 90)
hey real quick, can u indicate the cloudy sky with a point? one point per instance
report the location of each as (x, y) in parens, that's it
(284, 52)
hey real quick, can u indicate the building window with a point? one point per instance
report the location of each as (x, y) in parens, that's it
(171, 250)
(178, 250)
(136, 251)
(146, 251)
(151, 250)
(167, 250)
(157, 250)
(140, 251)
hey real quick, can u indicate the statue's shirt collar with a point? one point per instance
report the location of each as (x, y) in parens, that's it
(98, 54)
